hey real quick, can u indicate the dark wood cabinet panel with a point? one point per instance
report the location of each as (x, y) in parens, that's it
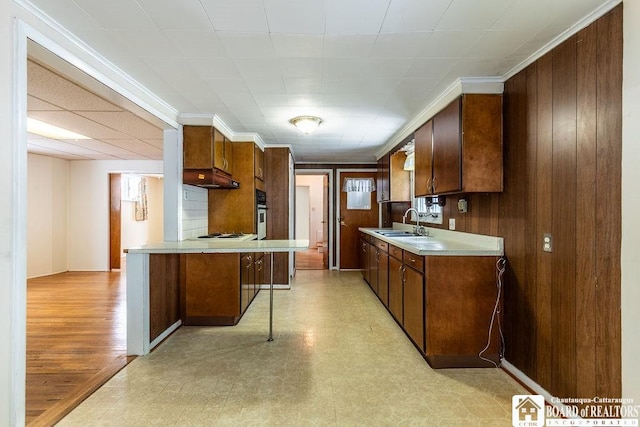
(373, 267)
(424, 159)
(164, 285)
(198, 147)
(382, 186)
(258, 163)
(277, 185)
(364, 256)
(447, 149)
(395, 288)
(413, 314)
(383, 277)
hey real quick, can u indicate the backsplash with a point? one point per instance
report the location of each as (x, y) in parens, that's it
(195, 206)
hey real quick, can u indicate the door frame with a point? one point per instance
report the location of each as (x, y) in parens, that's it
(337, 197)
(328, 172)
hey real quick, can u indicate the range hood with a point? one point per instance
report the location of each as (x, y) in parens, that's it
(208, 178)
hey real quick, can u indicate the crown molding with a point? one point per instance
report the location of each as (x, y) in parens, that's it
(575, 28)
(458, 87)
(195, 119)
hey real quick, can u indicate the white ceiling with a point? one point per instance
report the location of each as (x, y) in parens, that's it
(366, 67)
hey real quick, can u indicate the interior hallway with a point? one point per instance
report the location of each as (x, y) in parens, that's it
(338, 359)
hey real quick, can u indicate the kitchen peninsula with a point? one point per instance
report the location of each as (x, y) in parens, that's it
(156, 273)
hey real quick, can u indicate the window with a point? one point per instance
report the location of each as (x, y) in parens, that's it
(130, 187)
(359, 200)
(428, 207)
(359, 192)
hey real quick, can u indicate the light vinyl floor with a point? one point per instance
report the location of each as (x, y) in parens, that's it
(338, 359)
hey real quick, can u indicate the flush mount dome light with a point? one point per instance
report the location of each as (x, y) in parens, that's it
(306, 124)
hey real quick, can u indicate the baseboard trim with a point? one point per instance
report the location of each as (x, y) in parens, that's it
(276, 287)
(536, 388)
(165, 334)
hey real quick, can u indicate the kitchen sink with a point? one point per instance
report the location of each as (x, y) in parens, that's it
(396, 233)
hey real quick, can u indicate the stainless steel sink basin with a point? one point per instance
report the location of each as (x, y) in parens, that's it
(396, 233)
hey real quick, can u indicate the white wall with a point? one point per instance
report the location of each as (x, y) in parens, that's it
(89, 209)
(47, 215)
(316, 196)
(136, 233)
(631, 203)
(195, 211)
(302, 213)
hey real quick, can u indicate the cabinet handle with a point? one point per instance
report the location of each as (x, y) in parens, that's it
(429, 183)
(377, 256)
(412, 260)
(435, 184)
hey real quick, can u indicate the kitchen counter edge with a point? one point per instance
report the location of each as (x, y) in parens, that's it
(197, 247)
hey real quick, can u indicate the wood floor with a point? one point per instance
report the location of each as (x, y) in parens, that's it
(310, 259)
(76, 340)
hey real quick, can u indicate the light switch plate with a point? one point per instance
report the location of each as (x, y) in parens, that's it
(452, 223)
(547, 242)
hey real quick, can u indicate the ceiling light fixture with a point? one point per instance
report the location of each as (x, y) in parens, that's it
(51, 131)
(306, 124)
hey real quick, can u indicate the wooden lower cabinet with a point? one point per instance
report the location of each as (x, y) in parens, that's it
(443, 303)
(164, 303)
(413, 297)
(364, 257)
(216, 289)
(373, 267)
(396, 288)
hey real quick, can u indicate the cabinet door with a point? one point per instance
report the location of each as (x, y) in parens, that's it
(258, 166)
(364, 259)
(246, 281)
(413, 320)
(373, 268)
(218, 150)
(383, 278)
(399, 179)
(228, 156)
(447, 152)
(382, 187)
(424, 159)
(259, 273)
(395, 288)
(197, 147)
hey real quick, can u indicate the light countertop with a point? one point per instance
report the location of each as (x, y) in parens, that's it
(442, 242)
(221, 246)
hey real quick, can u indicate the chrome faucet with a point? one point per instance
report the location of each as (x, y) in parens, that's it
(419, 230)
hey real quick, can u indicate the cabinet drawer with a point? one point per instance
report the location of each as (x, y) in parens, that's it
(414, 261)
(382, 245)
(395, 252)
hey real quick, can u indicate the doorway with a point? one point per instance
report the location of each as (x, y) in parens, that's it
(355, 209)
(312, 219)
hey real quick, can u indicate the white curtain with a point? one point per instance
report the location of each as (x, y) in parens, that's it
(359, 184)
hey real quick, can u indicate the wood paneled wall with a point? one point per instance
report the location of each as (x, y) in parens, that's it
(276, 161)
(563, 142)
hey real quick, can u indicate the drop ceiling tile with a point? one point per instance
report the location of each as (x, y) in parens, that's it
(65, 147)
(214, 68)
(498, 44)
(182, 15)
(344, 68)
(228, 85)
(295, 17)
(158, 143)
(126, 123)
(348, 46)
(147, 44)
(118, 14)
(413, 15)
(65, 94)
(468, 15)
(49, 151)
(405, 45)
(301, 67)
(236, 15)
(266, 85)
(34, 104)
(67, 13)
(387, 68)
(248, 45)
(355, 17)
(298, 45)
(302, 85)
(135, 146)
(258, 67)
(430, 68)
(76, 123)
(272, 100)
(197, 44)
(449, 44)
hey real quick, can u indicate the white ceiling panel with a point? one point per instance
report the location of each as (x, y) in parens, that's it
(295, 16)
(298, 45)
(355, 17)
(237, 15)
(117, 14)
(257, 63)
(413, 15)
(173, 15)
(124, 121)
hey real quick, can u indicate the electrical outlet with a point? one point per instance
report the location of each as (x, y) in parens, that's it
(452, 223)
(185, 195)
(547, 242)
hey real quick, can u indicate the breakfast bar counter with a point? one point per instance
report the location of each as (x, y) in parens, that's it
(156, 278)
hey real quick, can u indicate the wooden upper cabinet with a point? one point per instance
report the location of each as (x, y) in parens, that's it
(382, 187)
(258, 163)
(460, 149)
(424, 158)
(204, 147)
(394, 183)
(198, 147)
(446, 150)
